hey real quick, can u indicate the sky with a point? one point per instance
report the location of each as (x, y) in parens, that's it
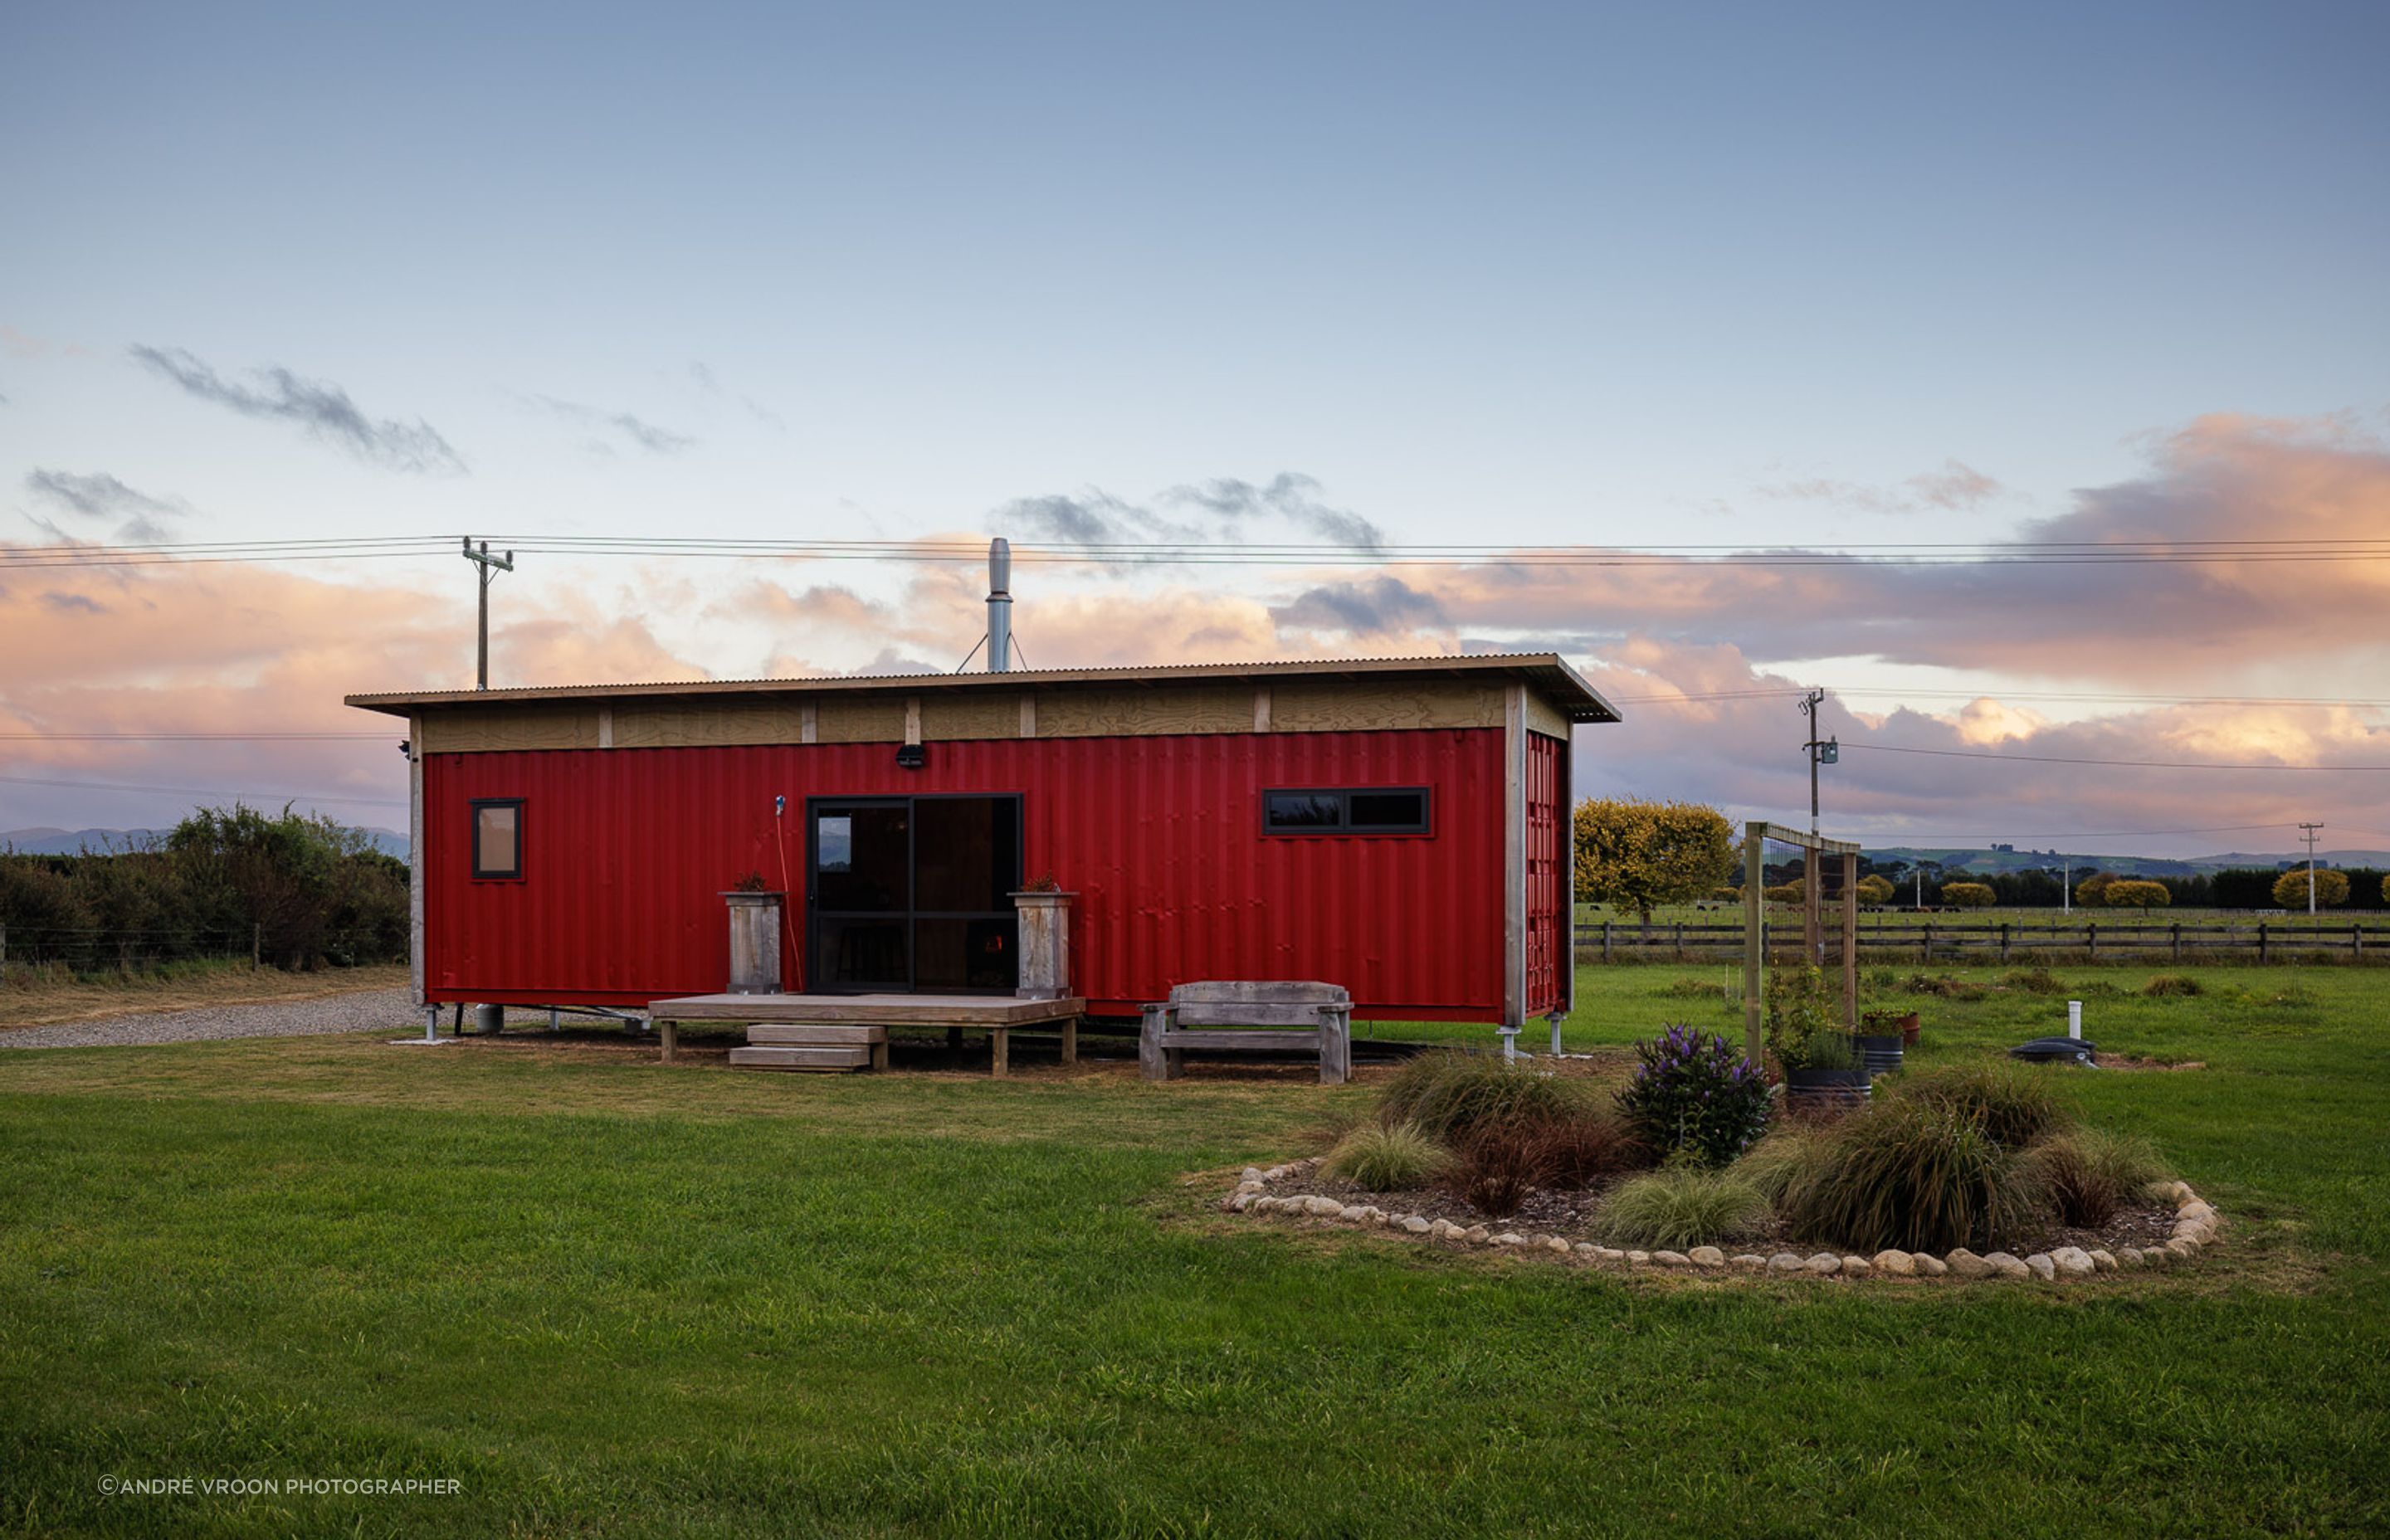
(1366, 276)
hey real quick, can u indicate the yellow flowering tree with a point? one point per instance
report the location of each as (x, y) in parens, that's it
(2331, 888)
(2133, 893)
(1638, 856)
(1968, 895)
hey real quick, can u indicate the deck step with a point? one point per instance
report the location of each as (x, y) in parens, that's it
(816, 1059)
(815, 1034)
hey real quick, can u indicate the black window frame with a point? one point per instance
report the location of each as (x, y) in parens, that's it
(473, 835)
(1345, 826)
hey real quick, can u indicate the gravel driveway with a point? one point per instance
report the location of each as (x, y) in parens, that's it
(367, 1010)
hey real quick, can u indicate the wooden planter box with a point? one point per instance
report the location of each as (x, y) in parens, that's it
(1045, 919)
(754, 942)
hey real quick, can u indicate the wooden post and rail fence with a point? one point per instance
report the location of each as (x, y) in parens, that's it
(1947, 940)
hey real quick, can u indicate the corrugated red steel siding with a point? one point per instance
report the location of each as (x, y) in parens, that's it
(1546, 875)
(626, 850)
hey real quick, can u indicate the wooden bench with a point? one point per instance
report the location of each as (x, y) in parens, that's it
(1237, 1015)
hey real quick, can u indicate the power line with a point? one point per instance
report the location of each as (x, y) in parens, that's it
(193, 738)
(177, 553)
(2101, 698)
(1289, 554)
(212, 791)
(1190, 554)
(1789, 692)
(2122, 764)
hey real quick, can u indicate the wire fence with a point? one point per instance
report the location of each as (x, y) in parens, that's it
(91, 949)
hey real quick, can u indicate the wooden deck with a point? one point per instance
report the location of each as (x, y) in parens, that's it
(839, 1032)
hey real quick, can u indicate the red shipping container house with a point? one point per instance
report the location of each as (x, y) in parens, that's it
(1398, 826)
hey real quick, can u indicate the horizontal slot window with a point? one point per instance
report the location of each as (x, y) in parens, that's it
(1347, 809)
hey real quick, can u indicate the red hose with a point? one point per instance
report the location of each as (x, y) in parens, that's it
(796, 951)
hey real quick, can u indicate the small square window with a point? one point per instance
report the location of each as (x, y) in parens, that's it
(498, 838)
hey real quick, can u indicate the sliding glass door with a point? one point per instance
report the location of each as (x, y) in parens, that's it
(913, 894)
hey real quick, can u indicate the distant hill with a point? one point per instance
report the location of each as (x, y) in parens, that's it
(73, 841)
(1991, 861)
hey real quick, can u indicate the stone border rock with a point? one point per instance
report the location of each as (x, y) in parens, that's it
(2196, 1227)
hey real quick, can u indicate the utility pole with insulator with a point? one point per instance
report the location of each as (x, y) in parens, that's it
(1821, 751)
(489, 567)
(2308, 833)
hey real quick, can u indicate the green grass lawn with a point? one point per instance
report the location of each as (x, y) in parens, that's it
(606, 1296)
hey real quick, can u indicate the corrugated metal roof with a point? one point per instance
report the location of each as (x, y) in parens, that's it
(1561, 685)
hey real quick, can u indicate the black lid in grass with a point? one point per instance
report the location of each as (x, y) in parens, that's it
(2054, 1050)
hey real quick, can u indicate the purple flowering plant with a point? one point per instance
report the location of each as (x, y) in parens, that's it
(1694, 1096)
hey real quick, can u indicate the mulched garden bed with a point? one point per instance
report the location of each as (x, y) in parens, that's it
(1570, 1214)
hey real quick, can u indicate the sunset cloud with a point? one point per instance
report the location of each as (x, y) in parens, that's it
(634, 431)
(2181, 626)
(1225, 511)
(1707, 660)
(1955, 487)
(322, 409)
(137, 517)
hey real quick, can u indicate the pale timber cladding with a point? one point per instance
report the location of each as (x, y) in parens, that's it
(1158, 711)
(1532, 702)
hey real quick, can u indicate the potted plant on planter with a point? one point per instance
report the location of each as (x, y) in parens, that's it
(1881, 1038)
(1817, 1055)
(755, 936)
(1824, 1066)
(1903, 1022)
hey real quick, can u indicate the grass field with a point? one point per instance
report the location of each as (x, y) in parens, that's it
(610, 1297)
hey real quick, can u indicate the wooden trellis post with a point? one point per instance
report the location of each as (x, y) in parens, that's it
(1754, 923)
(1851, 939)
(1754, 938)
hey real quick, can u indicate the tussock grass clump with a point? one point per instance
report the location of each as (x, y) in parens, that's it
(2088, 1174)
(2033, 981)
(1680, 1206)
(1495, 1172)
(1448, 1094)
(2171, 983)
(1692, 989)
(1387, 1156)
(1776, 1163)
(1576, 1152)
(1915, 1176)
(1498, 1163)
(2015, 1104)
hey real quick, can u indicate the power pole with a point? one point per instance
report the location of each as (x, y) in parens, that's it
(2308, 833)
(1821, 751)
(489, 567)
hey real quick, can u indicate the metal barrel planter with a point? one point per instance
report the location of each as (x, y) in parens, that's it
(1880, 1052)
(1826, 1087)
